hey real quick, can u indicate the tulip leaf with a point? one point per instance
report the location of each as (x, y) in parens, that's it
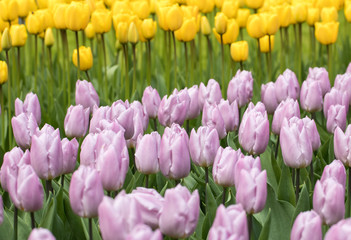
(73, 220)
(190, 182)
(211, 205)
(6, 228)
(198, 230)
(303, 204)
(266, 226)
(85, 224)
(270, 165)
(206, 227)
(286, 189)
(162, 192)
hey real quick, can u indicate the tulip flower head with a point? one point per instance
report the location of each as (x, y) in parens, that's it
(86, 94)
(239, 51)
(3, 72)
(210, 93)
(286, 109)
(269, 97)
(212, 117)
(339, 231)
(335, 97)
(147, 153)
(336, 171)
(240, 88)
(24, 127)
(41, 233)
(307, 226)
(287, 86)
(30, 105)
(85, 58)
(342, 144)
(18, 35)
(194, 106)
(326, 32)
(336, 118)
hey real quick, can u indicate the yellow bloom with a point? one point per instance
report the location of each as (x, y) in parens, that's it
(101, 20)
(23, 8)
(254, 26)
(59, 13)
(230, 8)
(271, 23)
(161, 16)
(133, 36)
(326, 32)
(174, 18)
(89, 31)
(6, 40)
(264, 43)
(46, 18)
(42, 4)
(121, 17)
(231, 34)
(122, 32)
(205, 26)
(18, 35)
(9, 10)
(188, 30)
(85, 58)
(141, 8)
(347, 12)
(239, 51)
(77, 16)
(329, 14)
(312, 16)
(3, 72)
(33, 23)
(148, 28)
(219, 3)
(3, 25)
(49, 38)
(255, 4)
(208, 6)
(242, 17)
(299, 11)
(284, 13)
(221, 23)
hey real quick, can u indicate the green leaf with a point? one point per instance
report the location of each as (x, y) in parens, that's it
(6, 228)
(270, 165)
(211, 205)
(265, 230)
(73, 220)
(286, 189)
(85, 224)
(303, 204)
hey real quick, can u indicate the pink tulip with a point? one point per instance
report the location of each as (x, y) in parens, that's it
(336, 171)
(287, 86)
(140, 122)
(99, 114)
(339, 231)
(124, 114)
(210, 93)
(151, 101)
(348, 70)
(213, 118)
(321, 76)
(109, 125)
(240, 88)
(307, 226)
(269, 97)
(86, 95)
(311, 96)
(245, 163)
(343, 83)
(342, 145)
(76, 121)
(1, 211)
(30, 105)
(312, 130)
(286, 109)
(335, 97)
(41, 234)
(173, 109)
(230, 114)
(88, 152)
(336, 118)
(147, 153)
(69, 151)
(24, 127)
(194, 106)
(140, 110)
(144, 232)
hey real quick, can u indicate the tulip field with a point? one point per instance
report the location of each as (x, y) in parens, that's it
(175, 119)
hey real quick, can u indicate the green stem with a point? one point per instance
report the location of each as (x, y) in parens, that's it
(249, 224)
(259, 62)
(65, 60)
(78, 60)
(2, 118)
(48, 187)
(241, 66)
(148, 48)
(18, 70)
(15, 224)
(222, 51)
(62, 180)
(146, 180)
(134, 69)
(9, 99)
(166, 56)
(209, 46)
(270, 58)
(297, 184)
(300, 51)
(224, 195)
(90, 228)
(286, 30)
(35, 62)
(50, 83)
(105, 66)
(125, 51)
(282, 52)
(186, 65)
(277, 148)
(32, 218)
(87, 74)
(155, 124)
(329, 50)
(175, 60)
(192, 66)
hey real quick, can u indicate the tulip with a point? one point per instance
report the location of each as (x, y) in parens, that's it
(230, 223)
(173, 109)
(194, 106)
(294, 135)
(269, 97)
(6, 42)
(69, 151)
(335, 97)
(265, 47)
(46, 18)
(147, 153)
(231, 33)
(255, 4)
(151, 101)
(287, 85)
(180, 212)
(86, 95)
(326, 32)
(223, 170)
(34, 23)
(174, 18)
(339, 231)
(73, 10)
(328, 201)
(101, 20)
(312, 16)
(58, 15)
(49, 38)
(118, 217)
(141, 9)
(284, 14)
(336, 171)
(144, 232)
(311, 96)
(18, 35)
(1, 211)
(174, 153)
(254, 26)
(307, 226)
(41, 233)
(329, 14)
(89, 31)
(210, 93)
(254, 129)
(109, 125)
(133, 35)
(286, 109)
(230, 114)
(24, 127)
(271, 23)
(85, 58)
(221, 21)
(242, 17)
(342, 145)
(124, 114)
(336, 118)
(230, 8)
(347, 12)
(3, 72)
(342, 83)
(76, 121)
(312, 130)
(187, 31)
(240, 88)
(140, 114)
(88, 153)
(246, 163)
(85, 192)
(30, 105)
(149, 203)
(205, 26)
(212, 117)
(99, 114)
(148, 28)
(320, 75)
(239, 51)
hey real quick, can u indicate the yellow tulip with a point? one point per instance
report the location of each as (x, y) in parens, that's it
(231, 34)
(85, 58)
(133, 36)
(208, 6)
(347, 12)
(6, 42)
(299, 11)
(120, 7)
(101, 20)
(254, 26)
(205, 26)
(18, 35)
(77, 16)
(219, 3)
(161, 16)
(230, 8)
(89, 31)
(264, 43)
(284, 13)
(9, 10)
(148, 28)
(327, 3)
(100, 5)
(221, 23)
(270, 23)
(42, 4)
(122, 17)
(3, 25)
(312, 16)
(239, 51)
(326, 32)
(187, 32)
(23, 8)
(174, 18)
(3, 72)
(33, 23)
(59, 12)
(189, 11)
(122, 32)
(0, 42)
(329, 14)
(138, 22)
(141, 8)
(46, 18)
(242, 17)
(254, 4)
(49, 38)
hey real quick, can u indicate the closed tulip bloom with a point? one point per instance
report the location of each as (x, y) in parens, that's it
(89, 31)
(3, 72)
(294, 135)
(246, 163)
(339, 231)
(230, 115)
(150, 203)
(326, 32)
(307, 226)
(41, 233)
(174, 153)
(239, 51)
(85, 192)
(46, 18)
(1, 211)
(194, 106)
(76, 121)
(269, 97)
(287, 86)
(312, 16)
(242, 17)
(212, 117)
(230, 223)
(336, 118)
(174, 18)
(311, 96)
(312, 130)
(140, 112)
(24, 127)
(9, 10)
(231, 34)
(30, 105)
(173, 109)
(271, 23)
(34, 23)
(342, 145)
(148, 28)
(69, 151)
(264, 43)
(347, 12)
(210, 93)
(6, 42)
(58, 15)
(254, 26)
(224, 166)
(286, 109)
(205, 26)
(99, 114)
(49, 38)
(133, 35)
(147, 153)
(124, 114)
(329, 14)
(254, 129)
(284, 13)
(254, 3)
(101, 20)
(221, 21)
(328, 200)
(88, 153)
(18, 35)
(343, 83)
(240, 88)
(230, 8)
(187, 31)
(320, 75)
(144, 232)
(86, 94)
(335, 97)
(85, 58)
(299, 12)
(151, 101)
(336, 171)
(73, 10)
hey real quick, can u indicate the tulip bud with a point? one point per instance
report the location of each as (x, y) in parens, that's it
(255, 4)
(329, 14)
(194, 106)
(88, 150)
(311, 96)
(246, 163)
(151, 101)
(221, 23)
(133, 36)
(85, 58)
(299, 11)
(76, 121)
(336, 118)
(30, 105)
(342, 82)
(49, 38)
(86, 94)
(312, 16)
(239, 51)
(242, 17)
(254, 129)
(284, 14)
(342, 144)
(9, 10)
(124, 114)
(336, 171)
(307, 226)
(347, 12)
(122, 32)
(312, 130)
(212, 118)
(85, 192)
(231, 33)
(240, 88)
(335, 97)
(174, 18)
(6, 42)
(148, 28)
(265, 46)
(41, 233)
(89, 31)
(73, 10)
(268, 97)
(230, 115)
(3, 72)
(210, 93)
(143, 232)
(326, 32)
(187, 31)
(147, 153)
(320, 75)
(328, 200)
(34, 23)
(287, 86)
(69, 155)
(99, 114)
(101, 20)
(174, 153)
(18, 35)
(59, 13)
(205, 26)
(24, 127)
(231, 221)
(230, 8)
(271, 23)
(339, 231)
(286, 109)
(254, 26)
(46, 18)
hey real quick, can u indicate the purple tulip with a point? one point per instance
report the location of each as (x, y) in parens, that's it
(254, 129)
(41, 234)
(230, 114)
(147, 153)
(140, 122)
(252, 190)
(180, 212)
(223, 170)
(150, 203)
(336, 171)
(295, 143)
(269, 97)
(85, 192)
(69, 151)
(287, 86)
(118, 217)
(210, 93)
(343, 83)
(86, 95)
(140, 110)
(312, 130)
(203, 146)
(339, 231)
(286, 109)
(174, 153)
(213, 118)
(88, 153)
(99, 114)
(311, 96)
(151, 101)
(230, 223)
(46, 153)
(246, 163)
(336, 118)
(342, 145)
(144, 232)
(335, 97)
(24, 127)
(307, 226)
(30, 105)
(240, 88)
(124, 114)
(194, 106)
(1, 211)
(328, 200)
(348, 70)
(321, 76)
(76, 121)
(109, 125)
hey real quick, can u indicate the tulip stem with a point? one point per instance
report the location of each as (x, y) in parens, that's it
(87, 74)
(18, 70)
(222, 52)
(134, 68)
(175, 60)
(259, 62)
(148, 48)
(105, 64)
(224, 195)
(90, 228)
(78, 60)
(32, 219)
(166, 56)
(9, 100)
(249, 224)
(35, 62)
(15, 223)
(349, 194)
(277, 148)
(286, 30)
(241, 65)
(270, 58)
(48, 187)
(329, 50)
(65, 61)
(50, 88)
(146, 180)
(282, 53)
(2, 118)
(300, 50)
(209, 46)
(125, 51)
(297, 184)
(63, 180)
(186, 65)
(155, 124)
